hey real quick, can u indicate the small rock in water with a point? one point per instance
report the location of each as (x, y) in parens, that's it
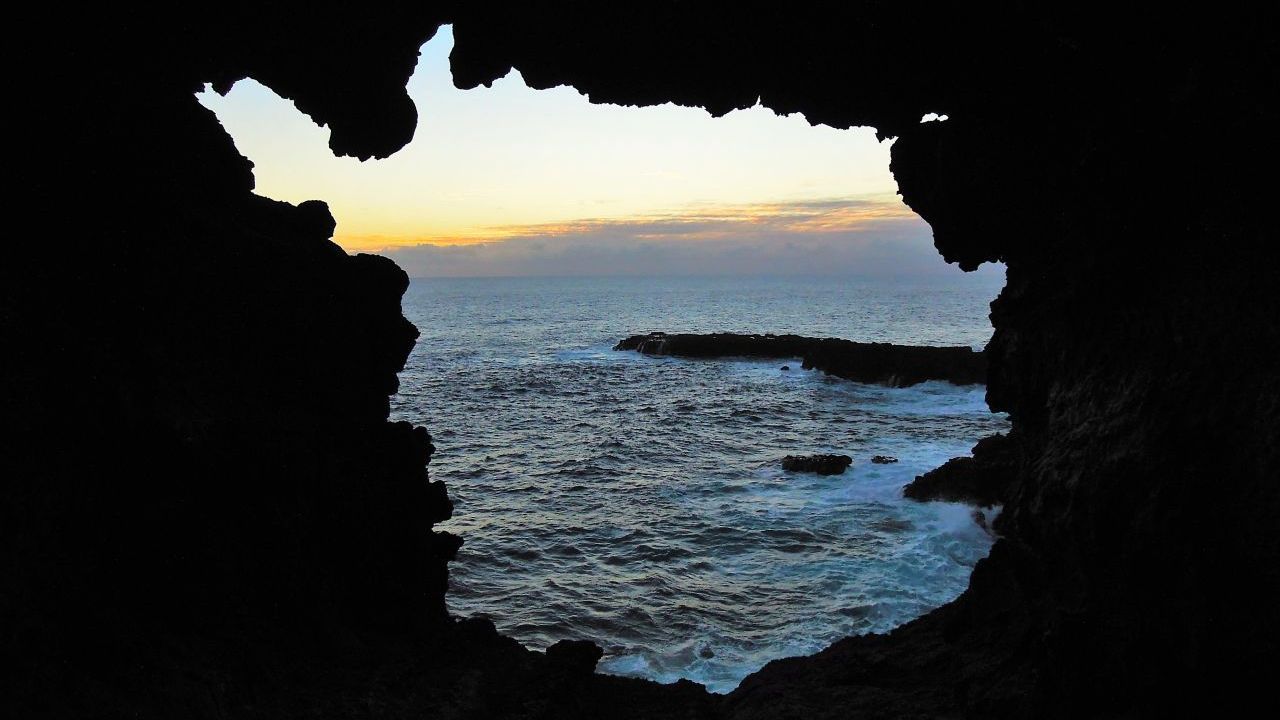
(706, 653)
(786, 367)
(820, 464)
(884, 459)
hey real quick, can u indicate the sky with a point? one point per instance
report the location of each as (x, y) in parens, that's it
(507, 180)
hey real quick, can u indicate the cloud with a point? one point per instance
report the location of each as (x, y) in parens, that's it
(849, 236)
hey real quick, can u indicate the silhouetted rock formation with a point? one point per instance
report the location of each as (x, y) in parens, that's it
(879, 363)
(206, 514)
(820, 464)
(576, 656)
(983, 479)
(197, 379)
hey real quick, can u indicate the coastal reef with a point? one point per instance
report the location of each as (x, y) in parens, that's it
(877, 363)
(207, 514)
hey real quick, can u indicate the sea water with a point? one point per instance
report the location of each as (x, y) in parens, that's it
(639, 502)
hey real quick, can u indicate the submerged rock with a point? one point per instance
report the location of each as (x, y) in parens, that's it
(820, 464)
(980, 519)
(883, 459)
(879, 363)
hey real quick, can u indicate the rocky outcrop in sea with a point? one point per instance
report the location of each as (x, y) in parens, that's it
(878, 363)
(983, 479)
(819, 464)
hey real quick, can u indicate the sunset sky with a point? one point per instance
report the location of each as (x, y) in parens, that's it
(511, 181)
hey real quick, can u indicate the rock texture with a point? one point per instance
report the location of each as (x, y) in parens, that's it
(206, 514)
(878, 363)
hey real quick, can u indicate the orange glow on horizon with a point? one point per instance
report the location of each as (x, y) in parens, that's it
(699, 222)
(507, 180)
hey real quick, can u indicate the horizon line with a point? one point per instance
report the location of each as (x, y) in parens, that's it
(983, 271)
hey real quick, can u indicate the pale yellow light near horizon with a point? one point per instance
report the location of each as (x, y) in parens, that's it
(495, 162)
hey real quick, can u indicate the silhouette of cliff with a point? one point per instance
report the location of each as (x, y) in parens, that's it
(207, 514)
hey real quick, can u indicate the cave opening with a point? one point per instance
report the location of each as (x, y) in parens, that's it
(637, 501)
(208, 513)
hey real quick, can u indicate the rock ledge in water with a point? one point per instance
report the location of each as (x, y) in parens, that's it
(820, 464)
(981, 480)
(879, 363)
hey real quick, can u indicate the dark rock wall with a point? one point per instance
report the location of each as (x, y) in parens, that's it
(196, 380)
(197, 458)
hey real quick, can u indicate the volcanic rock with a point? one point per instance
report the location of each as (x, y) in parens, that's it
(820, 464)
(981, 480)
(879, 363)
(575, 656)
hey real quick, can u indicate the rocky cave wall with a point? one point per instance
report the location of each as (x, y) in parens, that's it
(203, 492)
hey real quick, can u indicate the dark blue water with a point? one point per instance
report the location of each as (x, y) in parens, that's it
(638, 501)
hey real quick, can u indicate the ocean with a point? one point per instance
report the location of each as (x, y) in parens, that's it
(638, 501)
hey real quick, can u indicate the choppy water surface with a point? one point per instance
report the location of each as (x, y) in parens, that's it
(638, 502)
